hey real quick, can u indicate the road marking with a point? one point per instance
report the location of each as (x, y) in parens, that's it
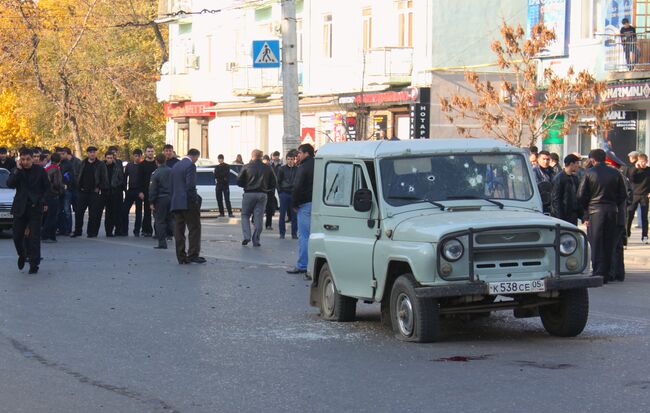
(630, 319)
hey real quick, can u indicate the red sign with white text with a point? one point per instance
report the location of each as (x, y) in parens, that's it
(188, 110)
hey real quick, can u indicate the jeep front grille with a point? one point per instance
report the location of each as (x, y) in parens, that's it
(507, 237)
(5, 207)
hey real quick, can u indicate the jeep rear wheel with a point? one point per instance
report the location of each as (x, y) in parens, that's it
(334, 306)
(569, 316)
(413, 319)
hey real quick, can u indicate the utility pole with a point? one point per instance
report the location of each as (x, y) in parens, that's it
(291, 110)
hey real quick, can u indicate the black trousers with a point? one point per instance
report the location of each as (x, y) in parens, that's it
(131, 198)
(163, 219)
(190, 218)
(617, 269)
(93, 203)
(27, 233)
(271, 207)
(147, 228)
(643, 203)
(112, 203)
(602, 225)
(223, 193)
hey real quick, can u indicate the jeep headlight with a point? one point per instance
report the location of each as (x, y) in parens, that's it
(452, 250)
(568, 244)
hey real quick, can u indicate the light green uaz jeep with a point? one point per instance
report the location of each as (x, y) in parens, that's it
(431, 228)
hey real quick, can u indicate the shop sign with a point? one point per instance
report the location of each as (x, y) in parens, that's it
(420, 114)
(308, 135)
(553, 13)
(633, 91)
(408, 95)
(380, 126)
(622, 137)
(188, 110)
(351, 127)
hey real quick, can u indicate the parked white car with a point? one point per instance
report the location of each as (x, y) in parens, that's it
(6, 199)
(206, 185)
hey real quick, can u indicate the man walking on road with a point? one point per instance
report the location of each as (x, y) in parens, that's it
(31, 184)
(132, 185)
(257, 179)
(145, 169)
(564, 199)
(112, 195)
(600, 193)
(222, 179)
(301, 204)
(286, 175)
(160, 198)
(92, 177)
(186, 206)
(639, 176)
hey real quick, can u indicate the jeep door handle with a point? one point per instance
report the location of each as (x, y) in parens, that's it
(331, 227)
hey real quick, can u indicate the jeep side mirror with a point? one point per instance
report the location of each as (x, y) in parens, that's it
(362, 200)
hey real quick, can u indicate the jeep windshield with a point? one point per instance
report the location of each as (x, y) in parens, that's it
(471, 177)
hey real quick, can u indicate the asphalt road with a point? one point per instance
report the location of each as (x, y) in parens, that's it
(112, 325)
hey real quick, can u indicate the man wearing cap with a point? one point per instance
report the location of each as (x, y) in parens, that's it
(564, 200)
(600, 193)
(92, 177)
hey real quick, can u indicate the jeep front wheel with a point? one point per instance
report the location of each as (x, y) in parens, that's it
(413, 319)
(334, 306)
(569, 316)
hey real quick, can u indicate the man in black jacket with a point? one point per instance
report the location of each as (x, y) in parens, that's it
(112, 195)
(564, 200)
(6, 161)
(639, 176)
(222, 179)
(92, 177)
(301, 204)
(145, 169)
(257, 179)
(600, 193)
(286, 175)
(132, 186)
(31, 184)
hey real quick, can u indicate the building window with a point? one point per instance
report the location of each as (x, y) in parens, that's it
(205, 148)
(405, 23)
(642, 15)
(591, 16)
(327, 36)
(182, 143)
(367, 28)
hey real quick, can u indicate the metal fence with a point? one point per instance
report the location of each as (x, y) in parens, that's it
(623, 54)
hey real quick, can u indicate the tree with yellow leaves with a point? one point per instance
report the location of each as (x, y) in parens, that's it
(14, 126)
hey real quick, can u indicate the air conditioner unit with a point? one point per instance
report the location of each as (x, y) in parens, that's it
(231, 66)
(192, 61)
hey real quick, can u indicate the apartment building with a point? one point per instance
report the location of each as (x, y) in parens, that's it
(368, 69)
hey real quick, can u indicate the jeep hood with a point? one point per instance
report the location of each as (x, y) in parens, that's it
(431, 226)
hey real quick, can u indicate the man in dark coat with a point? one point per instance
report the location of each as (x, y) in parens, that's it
(31, 184)
(160, 198)
(186, 206)
(132, 186)
(639, 176)
(145, 169)
(564, 199)
(601, 192)
(112, 195)
(222, 179)
(286, 175)
(6, 161)
(92, 177)
(258, 180)
(301, 204)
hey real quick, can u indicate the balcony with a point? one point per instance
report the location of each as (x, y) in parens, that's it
(627, 58)
(174, 88)
(389, 65)
(250, 81)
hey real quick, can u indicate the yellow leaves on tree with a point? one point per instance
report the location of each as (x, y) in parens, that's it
(14, 129)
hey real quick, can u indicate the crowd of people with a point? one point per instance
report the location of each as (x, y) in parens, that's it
(604, 193)
(51, 186)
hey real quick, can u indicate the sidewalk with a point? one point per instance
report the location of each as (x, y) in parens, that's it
(636, 252)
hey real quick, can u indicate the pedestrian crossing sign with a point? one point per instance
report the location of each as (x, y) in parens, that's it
(266, 53)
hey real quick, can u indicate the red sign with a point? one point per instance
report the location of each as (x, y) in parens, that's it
(408, 95)
(308, 135)
(188, 110)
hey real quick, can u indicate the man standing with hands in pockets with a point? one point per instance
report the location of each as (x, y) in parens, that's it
(301, 203)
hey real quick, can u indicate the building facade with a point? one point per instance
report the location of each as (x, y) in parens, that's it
(368, 69)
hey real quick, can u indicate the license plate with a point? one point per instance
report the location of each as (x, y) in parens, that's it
(517, 287)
